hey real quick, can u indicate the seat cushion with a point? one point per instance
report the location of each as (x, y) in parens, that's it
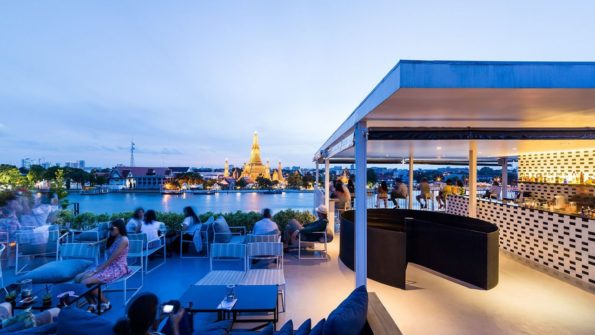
(223, 277)
(305, 328)
(58, 271)
(222, 231)
(350, 316)
(287, 329)
(48, 329)
(88, 236)
(217, 328)
(264, 277)
(319, 328)
(75, 321)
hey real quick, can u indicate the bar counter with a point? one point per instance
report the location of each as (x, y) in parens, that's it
(561, 242)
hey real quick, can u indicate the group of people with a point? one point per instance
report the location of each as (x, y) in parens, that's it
(401, 191)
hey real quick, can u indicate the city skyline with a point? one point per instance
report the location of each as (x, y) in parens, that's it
(191, 82)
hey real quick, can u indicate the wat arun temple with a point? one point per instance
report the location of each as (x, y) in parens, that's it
(255, 168)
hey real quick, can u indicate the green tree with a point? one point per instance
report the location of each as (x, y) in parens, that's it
(371, 176)
(36, 174)
(308, 180)
(241, 183)
(11, 177)
(264, 183)
(58, 188)
(294, 180)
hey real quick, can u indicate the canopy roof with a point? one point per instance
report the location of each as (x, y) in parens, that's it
(434, 108)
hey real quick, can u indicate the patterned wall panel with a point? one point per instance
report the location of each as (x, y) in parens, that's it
(560, 242)
(564, 165)
(548, 191)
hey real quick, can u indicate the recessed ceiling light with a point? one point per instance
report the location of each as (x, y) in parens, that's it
(438, 148)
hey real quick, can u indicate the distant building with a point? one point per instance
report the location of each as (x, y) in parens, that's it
(141, 178)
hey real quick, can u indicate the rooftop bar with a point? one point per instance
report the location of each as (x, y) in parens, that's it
(539, 115)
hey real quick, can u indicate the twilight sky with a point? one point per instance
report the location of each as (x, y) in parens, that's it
(191, 80)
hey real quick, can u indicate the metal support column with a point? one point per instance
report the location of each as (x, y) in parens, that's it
(327, 178)
(361, 215)
(504, 184)
(472, 208)
(410, 203)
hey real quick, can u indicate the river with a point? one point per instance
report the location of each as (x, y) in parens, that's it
(218, 202)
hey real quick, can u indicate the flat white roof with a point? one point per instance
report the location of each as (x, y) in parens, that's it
(432, 98)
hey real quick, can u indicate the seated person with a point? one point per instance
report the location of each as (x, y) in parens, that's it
(141, 317)
(290, 235)
(493, 192)
(425, 193)
(382, 197)
(444, 193)
(266, 226)
(400, 192)
(111, 270)
(136, 221)
(190, 226)
(151, 227)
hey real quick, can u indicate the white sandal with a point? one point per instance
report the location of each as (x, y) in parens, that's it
(92, 308)
(105, 306)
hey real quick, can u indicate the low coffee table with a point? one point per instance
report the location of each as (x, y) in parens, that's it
(251, 299)
(39, 291)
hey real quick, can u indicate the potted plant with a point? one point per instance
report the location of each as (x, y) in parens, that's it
(47, 298)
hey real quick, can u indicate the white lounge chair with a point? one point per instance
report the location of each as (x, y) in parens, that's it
(149, 248)
(135, 252)
(31, 244)
(225, 252)
(274, 276)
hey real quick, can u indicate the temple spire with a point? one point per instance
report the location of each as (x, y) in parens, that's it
(226, 169)
(255, 153)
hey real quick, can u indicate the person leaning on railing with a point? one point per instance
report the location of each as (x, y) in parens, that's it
(399, 192)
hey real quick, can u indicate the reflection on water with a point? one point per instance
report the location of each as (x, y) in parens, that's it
(218, 202)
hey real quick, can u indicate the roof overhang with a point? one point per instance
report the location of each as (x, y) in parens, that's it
(434, 108)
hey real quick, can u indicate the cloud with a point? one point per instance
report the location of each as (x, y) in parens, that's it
(3, 129)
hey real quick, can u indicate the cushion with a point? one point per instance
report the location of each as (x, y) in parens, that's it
(287, 329)
(58, 271)
(304, 329)
(268, 330)
(49, 328)
(75, 321)
(350, 316)
(87, 236)
(217, 328)
(222, 231)
(319, 328)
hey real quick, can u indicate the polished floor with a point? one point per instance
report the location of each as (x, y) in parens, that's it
(526, 301)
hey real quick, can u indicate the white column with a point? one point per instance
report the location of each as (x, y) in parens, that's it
(472, 179)
(327, 179)
(504, 183)
(361, 215)
(316, 192)
(411, 180)
(317, 177)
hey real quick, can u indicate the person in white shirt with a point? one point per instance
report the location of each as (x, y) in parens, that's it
(266, 226)
(190, 226)
(151, 228)
(136, 221)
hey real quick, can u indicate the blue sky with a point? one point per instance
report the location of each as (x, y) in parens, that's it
(191, 80)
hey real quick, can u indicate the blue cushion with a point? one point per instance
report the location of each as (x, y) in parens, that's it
(87, 236)
(304, 329)
(268, 330)
(287, 329)
(350, 316)
(46, 329)
(217, 328)
(319, 328)
(75, 321)
(222, 231)
(58, 271)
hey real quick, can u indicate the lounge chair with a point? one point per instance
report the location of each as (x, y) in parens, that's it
(149, 248)
(276, 276)
(36, 243)
(135, 252)
(225, 252)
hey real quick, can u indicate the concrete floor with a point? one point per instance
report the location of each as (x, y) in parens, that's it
(526, 301)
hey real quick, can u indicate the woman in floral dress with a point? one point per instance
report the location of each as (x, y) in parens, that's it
(111, 270)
